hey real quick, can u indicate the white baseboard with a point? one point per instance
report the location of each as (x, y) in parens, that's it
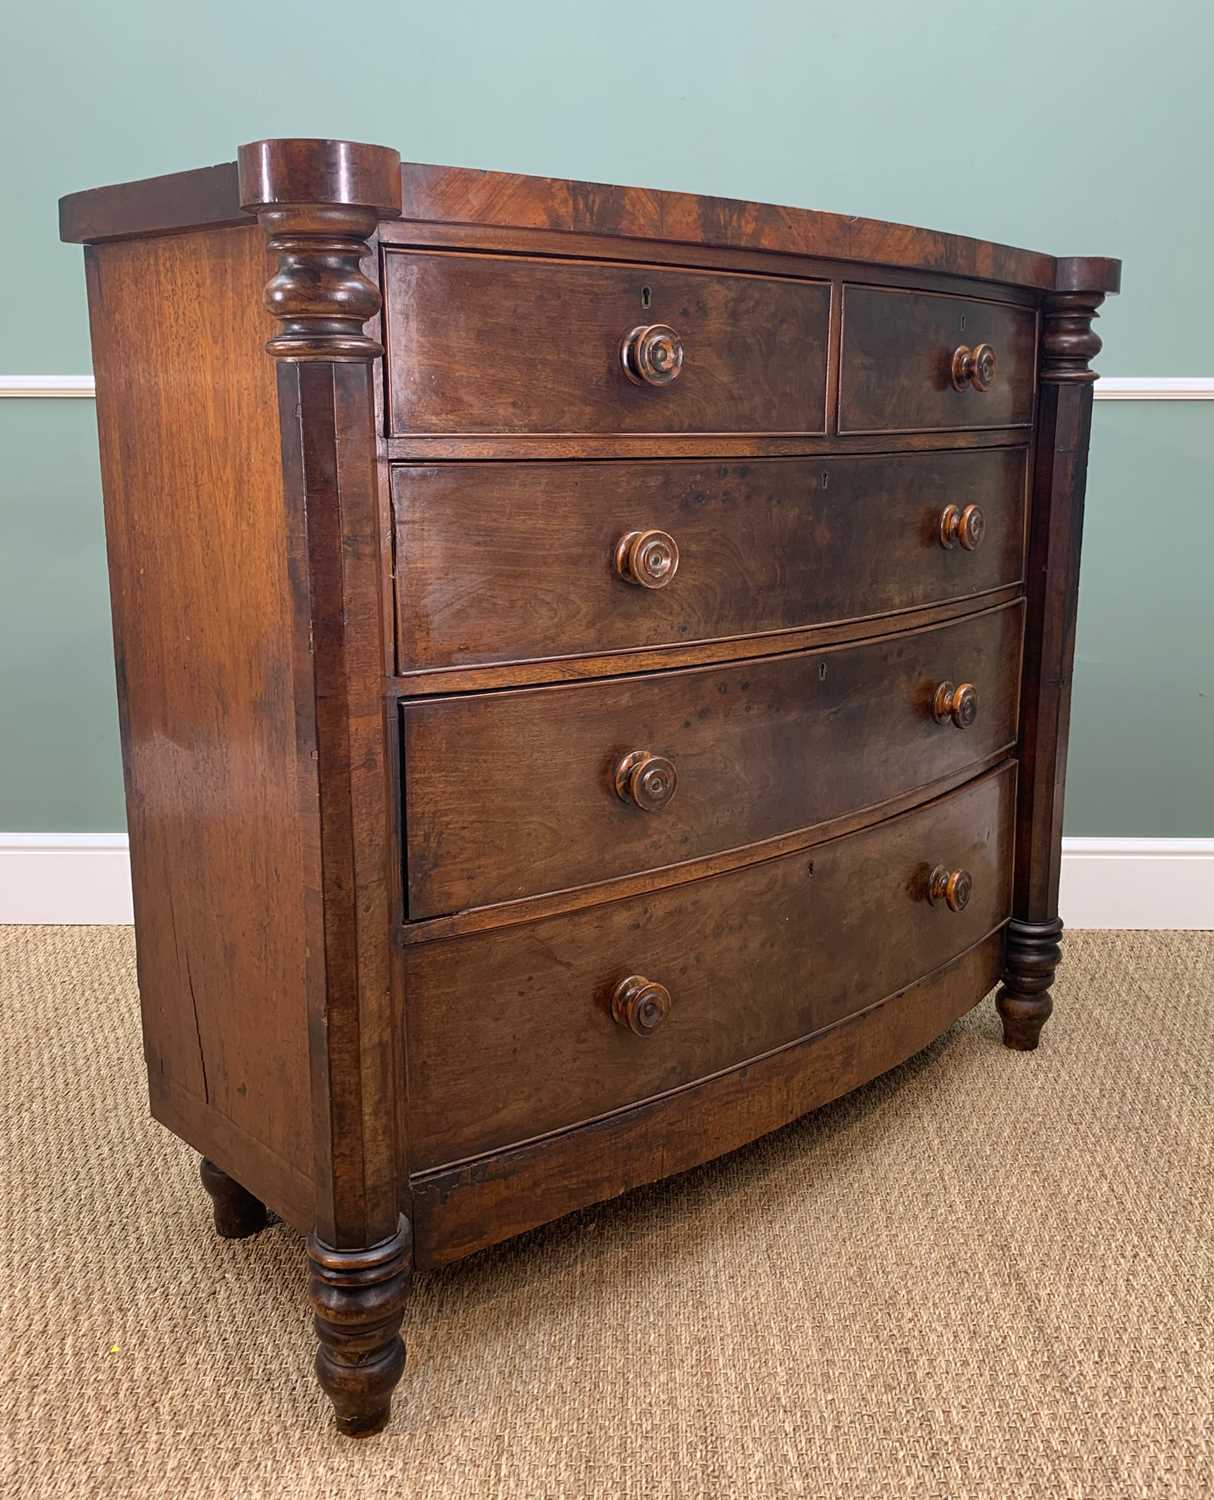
(71, 878)
(1155, 388)
(27, 387)
(1157, 883)
(1143, 883)
(1108, 387)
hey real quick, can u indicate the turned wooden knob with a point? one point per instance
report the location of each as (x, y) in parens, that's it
(652, 354)
(640, 1004)
(974, 367)
(953, 887)
(650, 558)
(962, 527)
(647, 781)
(955, 701)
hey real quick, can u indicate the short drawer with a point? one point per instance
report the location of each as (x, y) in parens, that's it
(513, 793)
(533, 1028)
(500, 562)
(504, 344)
(917, 361)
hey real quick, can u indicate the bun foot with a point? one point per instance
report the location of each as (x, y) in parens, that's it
(1032, 956)
(361, 1394)
(1023, 1017)
(237, 1213)
(358, 1297)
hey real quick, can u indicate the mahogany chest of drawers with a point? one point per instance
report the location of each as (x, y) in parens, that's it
(594, 670)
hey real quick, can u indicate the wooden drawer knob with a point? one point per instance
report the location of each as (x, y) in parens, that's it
(974, 367)
(955, 701)
(640, 1004)
(964, 528)
(649, 558)
(647, 781)
(652, 354)
(953, 887)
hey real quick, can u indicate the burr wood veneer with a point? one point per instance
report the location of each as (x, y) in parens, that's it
(594, 669)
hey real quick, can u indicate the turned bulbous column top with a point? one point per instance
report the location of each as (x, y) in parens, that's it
(320, 201)
(299, 171)
(1088, 273)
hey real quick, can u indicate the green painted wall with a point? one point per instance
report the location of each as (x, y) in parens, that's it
(1079, 128)
(59, 762)
(1142, 714)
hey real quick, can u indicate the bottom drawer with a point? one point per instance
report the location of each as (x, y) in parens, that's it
(528, 1029)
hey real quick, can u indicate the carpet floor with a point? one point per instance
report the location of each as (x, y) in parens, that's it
(986, 1274)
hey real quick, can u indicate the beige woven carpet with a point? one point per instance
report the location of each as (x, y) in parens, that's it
(987, 1275)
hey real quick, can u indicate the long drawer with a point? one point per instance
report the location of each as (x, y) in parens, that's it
(499, 562)
(922, 361)
(507, 344)
(513, 793)
(537, 1027)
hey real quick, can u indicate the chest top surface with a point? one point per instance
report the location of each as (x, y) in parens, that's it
(343, 172)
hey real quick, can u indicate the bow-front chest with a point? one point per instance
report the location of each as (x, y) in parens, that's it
(594, 669)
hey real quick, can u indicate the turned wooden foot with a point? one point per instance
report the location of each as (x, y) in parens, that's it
(237, 1213)
(1024, 1003)
(359, 1301)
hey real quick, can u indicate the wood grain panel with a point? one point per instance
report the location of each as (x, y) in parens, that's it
(461, 1209)
(423, 684)
(488, 344)
(897, 359)
(461, 195)
(514, 1031)
(423, 448)
(477, 201)
(515, 562)
(531, 909)
(510, 794)
(205, 644)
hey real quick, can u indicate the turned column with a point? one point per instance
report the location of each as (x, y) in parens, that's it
(320, 203)
(1064, 419)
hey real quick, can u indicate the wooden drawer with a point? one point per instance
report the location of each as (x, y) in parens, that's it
(513, 793)
(516, 1027)
(504, 344)
(898, 357)
(521, 561)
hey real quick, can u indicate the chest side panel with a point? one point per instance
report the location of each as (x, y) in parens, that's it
(205, 640)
